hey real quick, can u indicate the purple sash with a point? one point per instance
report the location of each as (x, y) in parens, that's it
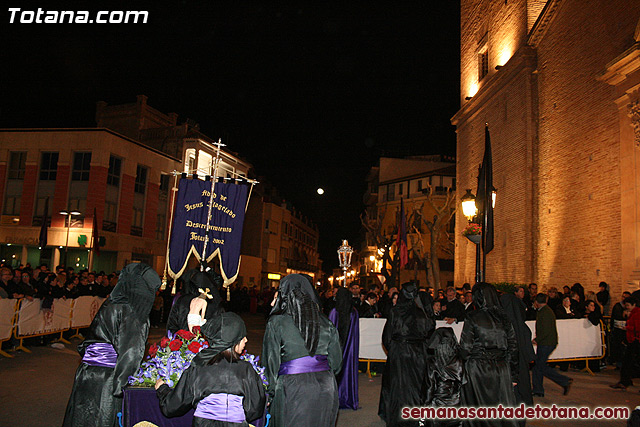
(100, 354)
(221, 407)
(304, 365)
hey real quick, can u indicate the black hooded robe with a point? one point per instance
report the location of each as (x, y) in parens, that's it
(306, 399)
(404, 379)
(446, 374)
(123, 322)
(489, 347)
(202, 378)
(516, 312)
(198, 382)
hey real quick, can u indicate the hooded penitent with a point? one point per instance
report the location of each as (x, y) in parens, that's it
(516, 312)
(298, 298)
(225, 332)
(344, 309)
(405, 381)
(137, 286)
(113, 349)
(444, 345)
(446, 372)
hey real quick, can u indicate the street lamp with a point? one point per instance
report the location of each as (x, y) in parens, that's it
(344, 258)
(68, 215)
(469, 208)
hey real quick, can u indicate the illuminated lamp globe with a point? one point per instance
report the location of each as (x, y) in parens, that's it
(469, 208)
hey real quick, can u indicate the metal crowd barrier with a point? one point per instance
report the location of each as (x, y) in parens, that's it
(28, 319)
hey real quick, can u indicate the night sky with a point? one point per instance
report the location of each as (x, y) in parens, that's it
(311, 94)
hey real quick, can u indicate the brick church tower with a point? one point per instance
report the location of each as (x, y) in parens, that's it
(558, 83)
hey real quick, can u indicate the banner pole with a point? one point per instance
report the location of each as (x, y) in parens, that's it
(203, 259)
(166, 262)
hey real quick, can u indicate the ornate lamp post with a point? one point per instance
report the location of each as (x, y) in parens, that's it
(470, 210)
(68, 215)
(344, 258)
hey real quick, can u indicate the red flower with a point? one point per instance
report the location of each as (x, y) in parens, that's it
(194, 347)
(185, 334)
(196, 330)
(175, 345)
(164, 342)
(153, 350)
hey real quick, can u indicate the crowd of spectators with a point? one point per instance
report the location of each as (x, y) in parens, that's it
(449, 305)
(42, 283)
(571, 303)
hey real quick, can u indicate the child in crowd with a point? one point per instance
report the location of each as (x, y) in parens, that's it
(225, 391)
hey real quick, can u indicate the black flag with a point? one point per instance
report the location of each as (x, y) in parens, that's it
(485, 197)
(44, 228)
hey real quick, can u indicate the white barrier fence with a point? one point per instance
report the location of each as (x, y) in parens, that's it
(7, 314)
(24, 318)
(577, 338)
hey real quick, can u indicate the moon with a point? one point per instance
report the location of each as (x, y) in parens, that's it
(320, 191)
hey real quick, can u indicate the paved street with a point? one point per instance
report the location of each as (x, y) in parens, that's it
(36, 386)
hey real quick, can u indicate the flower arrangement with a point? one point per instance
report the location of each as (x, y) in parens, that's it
(169, 358)
(472, 229)
(254, 360)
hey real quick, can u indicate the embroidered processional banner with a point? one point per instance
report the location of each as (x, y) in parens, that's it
(222, 231)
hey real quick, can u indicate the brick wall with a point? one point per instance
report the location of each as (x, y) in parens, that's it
(505, 26)
(579, 209)
(97, 192)
(510, 259)
(556, 146)
(151, 211)
(125, 212)
(60, 196)
(28, 194)
(3, 180)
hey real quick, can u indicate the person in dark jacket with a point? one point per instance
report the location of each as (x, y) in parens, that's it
(603, 297)
(592, 312)
(618, 328)
(632, 353)
(224, 390)
(452, 308)
(565, 310)
(369, 309)
(546, 340)
(113, 349)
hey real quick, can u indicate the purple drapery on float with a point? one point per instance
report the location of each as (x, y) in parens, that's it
(348, 376)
